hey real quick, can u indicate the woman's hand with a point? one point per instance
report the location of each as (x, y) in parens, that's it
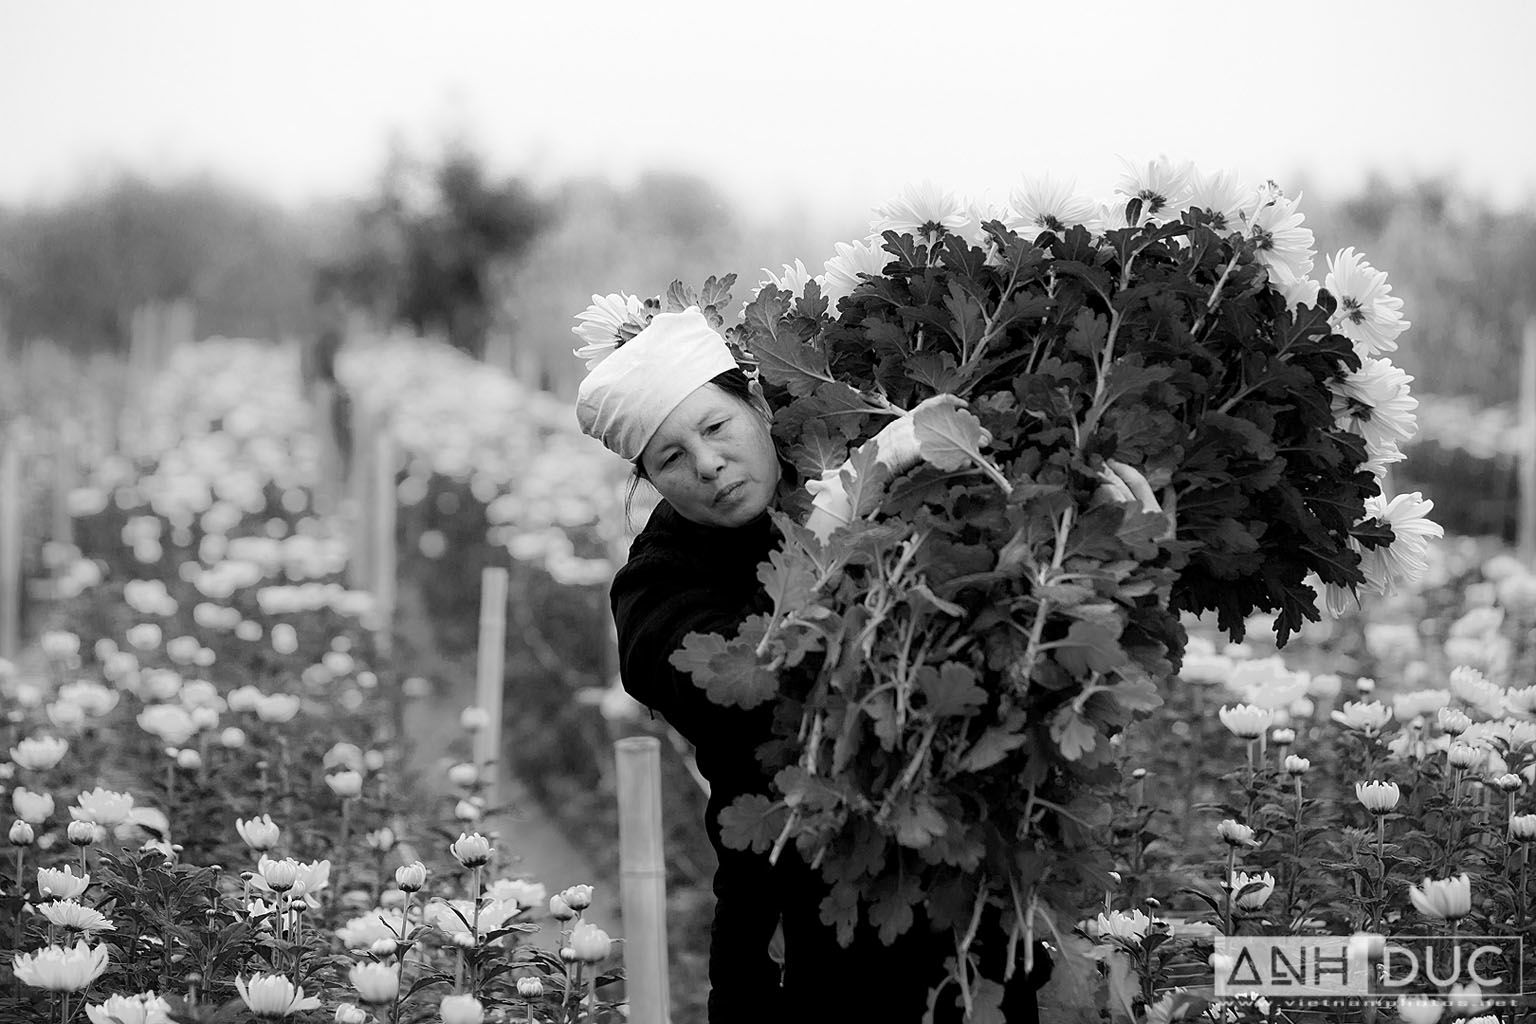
(1125, 485)
(896, 448)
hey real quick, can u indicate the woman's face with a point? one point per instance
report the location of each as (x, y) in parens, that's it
(713, 459)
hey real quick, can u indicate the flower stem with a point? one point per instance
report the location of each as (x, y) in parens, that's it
(405, 929)
(1231, 870)
(474, 926)
(1381, 867)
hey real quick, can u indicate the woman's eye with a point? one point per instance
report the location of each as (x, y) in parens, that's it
(714, 427)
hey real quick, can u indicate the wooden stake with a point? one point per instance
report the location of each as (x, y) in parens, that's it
(64, 467)
(359, 481)
(643, 879)
(10, 543)
(488, 677)
(1527, 528)
(382, 527)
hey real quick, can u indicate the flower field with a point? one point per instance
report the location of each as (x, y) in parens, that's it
(220, 813)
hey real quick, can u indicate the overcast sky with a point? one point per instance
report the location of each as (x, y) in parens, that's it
(829, 103)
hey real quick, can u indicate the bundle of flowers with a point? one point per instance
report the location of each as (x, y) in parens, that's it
(954, 660)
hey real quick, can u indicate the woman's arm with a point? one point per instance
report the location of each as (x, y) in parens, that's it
(656, 603)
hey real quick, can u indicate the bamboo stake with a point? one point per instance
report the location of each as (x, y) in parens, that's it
(359, 479)
(10, 543)
(1527, 527)
(488, 677)
(382, 526)
(643, 879)
(65, 465)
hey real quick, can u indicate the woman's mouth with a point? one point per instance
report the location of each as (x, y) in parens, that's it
(730, 492)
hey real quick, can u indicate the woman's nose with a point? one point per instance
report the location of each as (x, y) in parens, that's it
(710, 464)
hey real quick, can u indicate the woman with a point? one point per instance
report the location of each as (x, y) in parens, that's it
(673, 401)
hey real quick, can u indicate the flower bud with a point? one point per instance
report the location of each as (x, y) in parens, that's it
(383, 948)
(578, 897)
(1522, 827)
(591, 943)
(464, 774)
(82, 833)
(279, 874)
(1508, 782)
(411, 877)
(473, 719)
(1378, 797)
(345, 784)
(530, 988)
(381, 839)
(472, 851)
(188, 759)
(1365, 684)
(559, 909)
(21, 833)
(232, 738)
(568, 954)
(1464, 756)
(350, 1013)
(376, 983)
(1453, 722)
(1283, 737)
(465, 810)
(260, 834)
(1235, 833)
(1295, 765)
(1138, 774)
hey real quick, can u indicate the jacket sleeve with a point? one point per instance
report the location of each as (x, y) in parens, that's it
(656, 603)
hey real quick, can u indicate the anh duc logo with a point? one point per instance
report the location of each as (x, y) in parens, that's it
(1365, 966)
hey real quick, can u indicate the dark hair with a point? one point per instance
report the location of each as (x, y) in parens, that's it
(734, 383)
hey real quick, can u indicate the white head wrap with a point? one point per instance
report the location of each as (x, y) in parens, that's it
(624, 398)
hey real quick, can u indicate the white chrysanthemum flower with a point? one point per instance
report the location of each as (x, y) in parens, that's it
(517, 890)
(75, 916)
(1336, 599)
(1130, 925)
(1161, 185)
(144, 1008)
(840, 275)
(1111, 216)
(362, 932)
(1368, 717)
(273, 997)
(102, 806)
(598, 325)
(39, 753)
(1368, 314)
(1374, 402)
(1280, 242)
(1045, 204)
(1221, 195)
(1406, 558)
(792, 279)
(924, 211)
(61, 968)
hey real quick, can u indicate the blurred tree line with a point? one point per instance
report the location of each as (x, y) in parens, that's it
(498, 268)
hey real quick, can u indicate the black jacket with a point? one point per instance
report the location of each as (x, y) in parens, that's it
(684, 577)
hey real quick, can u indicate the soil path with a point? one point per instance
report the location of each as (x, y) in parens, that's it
(530, 843)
